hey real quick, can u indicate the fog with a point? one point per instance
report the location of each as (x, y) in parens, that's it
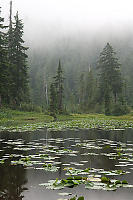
(48, 20)
(74, 31)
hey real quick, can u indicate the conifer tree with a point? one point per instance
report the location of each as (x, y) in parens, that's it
(89, 89)
(18, 60)
(10, 57)
(10, 36)
(58, 82)
(82, 90)
(53, 100)
(110, 76)
(3, 63)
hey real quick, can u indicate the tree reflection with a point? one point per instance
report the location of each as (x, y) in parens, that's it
(13, 179)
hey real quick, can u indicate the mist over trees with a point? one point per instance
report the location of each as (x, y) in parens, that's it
(87, 84)
(80, 65)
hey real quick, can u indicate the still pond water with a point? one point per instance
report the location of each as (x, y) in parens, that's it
(30, 159)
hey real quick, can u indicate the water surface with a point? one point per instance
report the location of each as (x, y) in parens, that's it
(90, 149)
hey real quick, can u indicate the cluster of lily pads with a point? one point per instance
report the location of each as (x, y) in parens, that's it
(75, 198)
(73, 125)
(46, 154)
(90, 182)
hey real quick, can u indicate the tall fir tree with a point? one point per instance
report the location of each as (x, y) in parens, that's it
(53, 100)
(89, 90)
(82, 91)
(110, 77)
(3, 63)
(10, 57)
(10, 36)
(18, 61)
(58, 82)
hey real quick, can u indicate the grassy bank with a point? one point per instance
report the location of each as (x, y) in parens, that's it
(24, 121)
(10, 117)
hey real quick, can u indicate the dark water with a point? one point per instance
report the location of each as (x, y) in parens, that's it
(19, 182)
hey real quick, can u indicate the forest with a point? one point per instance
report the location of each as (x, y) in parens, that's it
(73, 75)
(66, 100)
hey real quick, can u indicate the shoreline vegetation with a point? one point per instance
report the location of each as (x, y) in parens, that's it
(20, 121)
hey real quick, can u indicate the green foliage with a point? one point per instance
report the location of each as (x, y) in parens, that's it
(30, 107)
(50, 167)
(79, 198)
(29, 121)
(124, 182)
(119, 109)
(13, 64)
(56, 92)
(95, 183)
(4, 65)
(109, 77)
(104, 179)
(79, 95)
(53, 99)
(19, 71)
(87, 92)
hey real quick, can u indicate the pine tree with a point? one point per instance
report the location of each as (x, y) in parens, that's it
(58, 82)
(10, 36)
(89, 90)
(110, 76)
(10, 57)
(53, 100)
(18, 60)
(82, 90)
(3, 63)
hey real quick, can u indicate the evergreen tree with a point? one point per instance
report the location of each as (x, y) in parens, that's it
(110, 77)
(82, 91)
(58, 82)
(18, 60)
(89, 90)
(10, 57)
(10, 37)
(3, 63)
(53, 100)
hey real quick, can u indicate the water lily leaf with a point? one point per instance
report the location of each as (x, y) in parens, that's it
(65, 194)
(94, 179)
(80, 198)
(89, 185)
(110, 188)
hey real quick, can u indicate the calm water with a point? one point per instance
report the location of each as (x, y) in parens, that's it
(20, 182)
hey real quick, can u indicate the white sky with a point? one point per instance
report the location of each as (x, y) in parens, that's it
(73, 10)
(71, 14)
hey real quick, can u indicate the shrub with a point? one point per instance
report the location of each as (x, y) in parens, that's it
(119, 109)
(30, 108)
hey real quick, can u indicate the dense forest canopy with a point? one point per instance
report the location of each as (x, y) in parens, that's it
(79, 52)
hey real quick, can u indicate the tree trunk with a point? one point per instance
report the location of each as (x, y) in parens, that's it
(0, 101)
(115, 97)
(107, 104)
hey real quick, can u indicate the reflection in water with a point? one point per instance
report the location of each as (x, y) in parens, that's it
(14, 180)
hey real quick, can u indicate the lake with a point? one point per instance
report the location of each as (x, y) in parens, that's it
(28, 160)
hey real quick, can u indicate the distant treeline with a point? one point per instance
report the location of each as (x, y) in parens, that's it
(101, 92)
